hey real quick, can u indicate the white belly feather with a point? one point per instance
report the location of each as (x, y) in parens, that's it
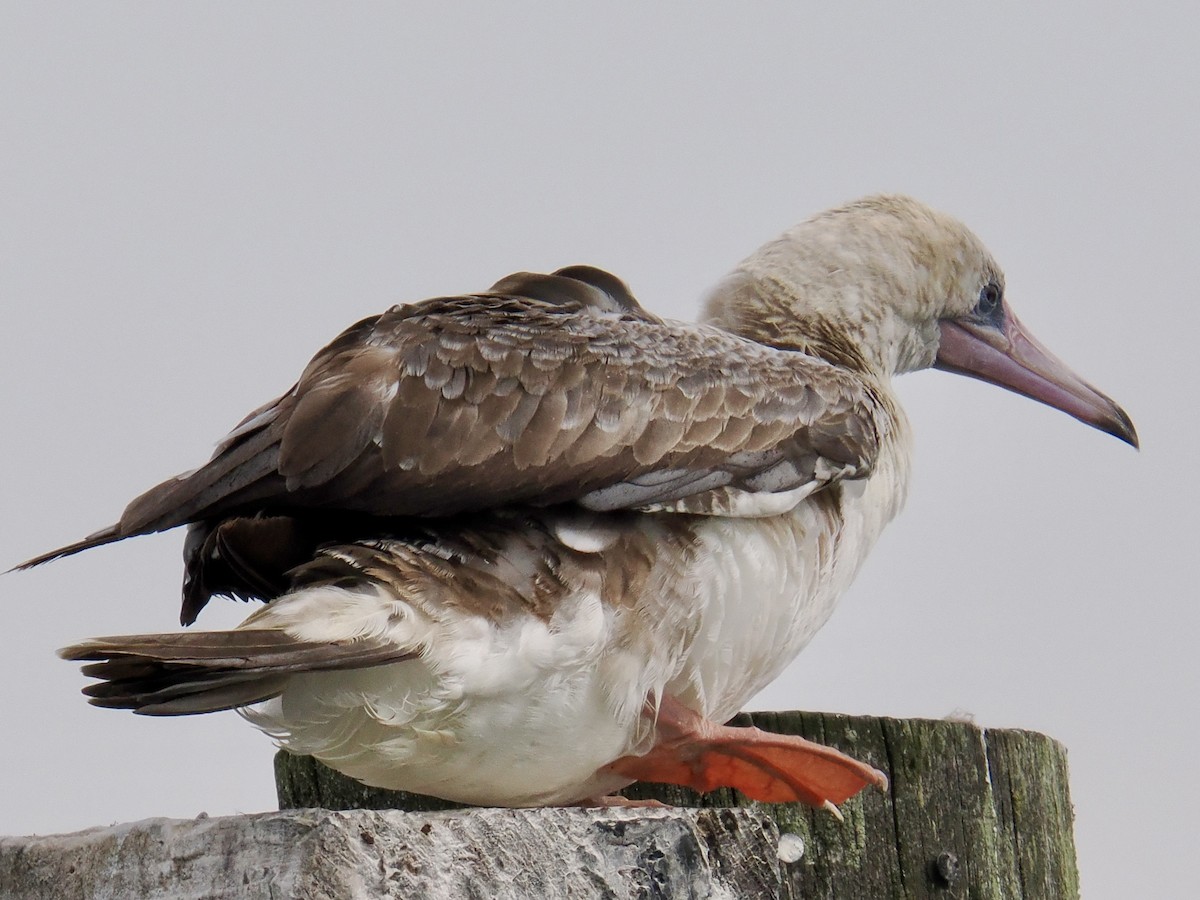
(525, 712)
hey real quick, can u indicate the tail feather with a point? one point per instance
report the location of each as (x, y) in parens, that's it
(187, 696)
(185, 674)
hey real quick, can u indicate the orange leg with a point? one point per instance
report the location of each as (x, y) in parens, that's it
(775, 768)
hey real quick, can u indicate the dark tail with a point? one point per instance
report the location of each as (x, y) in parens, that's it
(185, 674)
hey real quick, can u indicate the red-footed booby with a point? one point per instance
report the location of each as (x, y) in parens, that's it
(526, 546)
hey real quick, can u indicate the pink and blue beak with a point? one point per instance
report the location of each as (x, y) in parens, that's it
(1002, 352)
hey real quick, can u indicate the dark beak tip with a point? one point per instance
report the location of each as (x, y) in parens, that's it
(1125, 431)
(1014, 360)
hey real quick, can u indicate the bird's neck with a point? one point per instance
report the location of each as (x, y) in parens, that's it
(766, 312)
(828, 314)
(857, 286)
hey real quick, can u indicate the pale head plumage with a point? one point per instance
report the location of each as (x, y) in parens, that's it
(863, 285)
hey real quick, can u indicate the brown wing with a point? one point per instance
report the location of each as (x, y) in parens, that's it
(547, 389)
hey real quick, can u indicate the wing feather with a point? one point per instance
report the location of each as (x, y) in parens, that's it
(552, 389)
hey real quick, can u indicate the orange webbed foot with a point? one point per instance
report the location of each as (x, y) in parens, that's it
(772, 768)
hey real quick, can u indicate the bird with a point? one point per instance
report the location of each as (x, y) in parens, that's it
(526, 546)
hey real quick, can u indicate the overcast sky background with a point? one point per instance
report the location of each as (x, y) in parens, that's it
(194, 198)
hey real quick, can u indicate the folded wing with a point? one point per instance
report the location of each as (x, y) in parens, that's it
(546, 389)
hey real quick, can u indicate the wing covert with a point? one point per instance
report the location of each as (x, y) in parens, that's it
(477, 402)
(546, 389)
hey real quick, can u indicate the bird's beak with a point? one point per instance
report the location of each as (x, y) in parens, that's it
(1012, 358)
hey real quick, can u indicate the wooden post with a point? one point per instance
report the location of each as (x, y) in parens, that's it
(970, 813)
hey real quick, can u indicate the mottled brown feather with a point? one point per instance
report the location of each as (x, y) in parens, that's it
(542, 391)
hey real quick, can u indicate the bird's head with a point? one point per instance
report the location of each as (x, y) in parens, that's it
(887, 285)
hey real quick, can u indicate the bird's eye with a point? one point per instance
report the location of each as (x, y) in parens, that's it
(989, 300)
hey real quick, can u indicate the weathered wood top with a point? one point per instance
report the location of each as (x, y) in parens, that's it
(971, 813)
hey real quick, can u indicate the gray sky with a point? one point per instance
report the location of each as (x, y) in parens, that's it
(194, 198)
